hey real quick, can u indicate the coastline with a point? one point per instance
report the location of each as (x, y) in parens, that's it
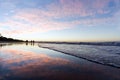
(105, 55)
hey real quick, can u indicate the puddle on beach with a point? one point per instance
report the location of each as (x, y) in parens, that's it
(30, 62)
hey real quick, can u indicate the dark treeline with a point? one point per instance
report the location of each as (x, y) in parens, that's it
(4, 39)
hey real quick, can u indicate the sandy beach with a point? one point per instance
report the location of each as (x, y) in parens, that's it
(30, 62)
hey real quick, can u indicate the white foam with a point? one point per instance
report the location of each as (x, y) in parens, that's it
(108, 55)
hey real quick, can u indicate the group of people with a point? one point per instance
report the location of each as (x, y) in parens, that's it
(31, 42)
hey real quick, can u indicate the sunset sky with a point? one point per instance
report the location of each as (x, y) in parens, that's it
(61, 20)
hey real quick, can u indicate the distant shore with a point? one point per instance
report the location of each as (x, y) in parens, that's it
(5, 39)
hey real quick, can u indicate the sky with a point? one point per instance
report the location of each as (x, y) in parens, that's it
(60, 20)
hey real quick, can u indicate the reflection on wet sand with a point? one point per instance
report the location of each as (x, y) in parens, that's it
(26, 64)
(4, 44)
(15, 56)
(22, 63)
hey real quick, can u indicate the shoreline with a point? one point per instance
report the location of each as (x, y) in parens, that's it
(37, 63)
(112, 43)
(83, 56)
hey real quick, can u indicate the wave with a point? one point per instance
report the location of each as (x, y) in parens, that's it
(87, 43)
(107, 55)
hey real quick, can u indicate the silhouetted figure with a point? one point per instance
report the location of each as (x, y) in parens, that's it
(0, 35)
(32, 42)
(26, 42)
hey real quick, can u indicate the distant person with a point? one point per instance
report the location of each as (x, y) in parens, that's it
(27, 42)
(33, 41)
(1, 35)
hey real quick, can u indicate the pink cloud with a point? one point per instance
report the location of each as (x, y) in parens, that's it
(79, 8)
(36, 20)
(25, 22)
(38, 23)
(67, 8)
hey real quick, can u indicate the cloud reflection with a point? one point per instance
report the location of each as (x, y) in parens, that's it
(17, 56)
(28, 64)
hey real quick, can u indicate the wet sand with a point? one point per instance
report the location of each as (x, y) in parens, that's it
(30, 62)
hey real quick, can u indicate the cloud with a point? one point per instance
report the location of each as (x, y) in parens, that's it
(81, 8)
(116, 19)
(25, 22)
(30, 20)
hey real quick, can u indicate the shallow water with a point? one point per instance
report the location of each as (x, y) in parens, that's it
(30, 62)
(106, 55)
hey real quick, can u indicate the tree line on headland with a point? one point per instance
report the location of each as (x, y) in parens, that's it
(5, 39)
